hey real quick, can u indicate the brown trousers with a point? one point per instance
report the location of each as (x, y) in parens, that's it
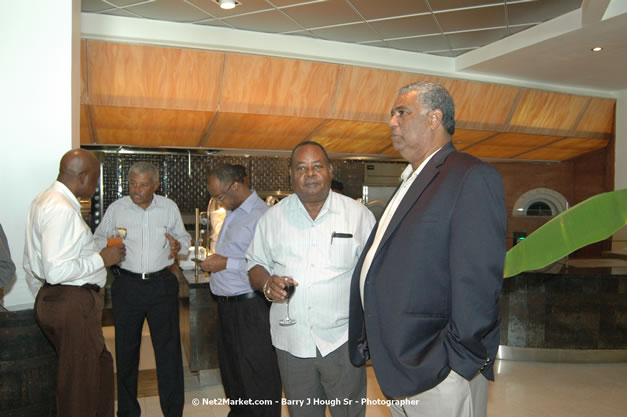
(71, 317)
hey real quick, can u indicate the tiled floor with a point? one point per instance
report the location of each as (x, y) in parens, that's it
(523, 389)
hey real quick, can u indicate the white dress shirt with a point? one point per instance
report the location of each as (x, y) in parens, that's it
(59, 247)
(408, 176)
(288, 242)
(147, 248)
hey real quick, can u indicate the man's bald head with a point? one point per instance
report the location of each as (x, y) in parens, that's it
(79, 170)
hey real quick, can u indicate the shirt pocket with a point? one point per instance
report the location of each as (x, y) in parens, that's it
(342, 252)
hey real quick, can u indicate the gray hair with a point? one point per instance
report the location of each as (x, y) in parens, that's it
(227, 173)
(434, 96)
(309, 142)
(143, 167)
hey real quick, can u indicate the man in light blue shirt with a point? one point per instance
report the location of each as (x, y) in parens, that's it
(248, 363)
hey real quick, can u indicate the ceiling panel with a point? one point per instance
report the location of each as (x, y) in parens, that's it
(250, 131)
(175, 11)
(289, 87)
(153, 77)
(360, 32)
(547, 110)
(377, 9)
(149, 127)
(399, 19)
(330, 12)
(407, 27)
(471, 19)
(599, 116)
(271, 21)
(439, 5)
(94, 6)
(246, 6)
(539, 11)
(427, 44)
(475, 39)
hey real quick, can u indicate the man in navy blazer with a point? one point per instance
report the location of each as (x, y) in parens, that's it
(424, 295)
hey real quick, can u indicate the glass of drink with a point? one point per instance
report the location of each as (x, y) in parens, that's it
(117, 237)
(290, 288)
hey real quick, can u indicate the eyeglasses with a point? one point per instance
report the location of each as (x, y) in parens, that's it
(220, 198)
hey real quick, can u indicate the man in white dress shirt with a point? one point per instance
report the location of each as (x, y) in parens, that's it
(312, 238)
(66, 272)
(145, 288)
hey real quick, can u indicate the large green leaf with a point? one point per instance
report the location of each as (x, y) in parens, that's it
(590, 221)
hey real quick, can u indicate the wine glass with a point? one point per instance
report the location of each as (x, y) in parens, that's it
(290, 288)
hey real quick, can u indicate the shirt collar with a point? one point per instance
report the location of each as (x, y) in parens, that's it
(249, 203)
(62, 188)
(156, 202)
(409, 169)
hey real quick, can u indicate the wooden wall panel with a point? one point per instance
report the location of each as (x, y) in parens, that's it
(464, 138)
(250, 131)
(153, 77)
(565, 149)
(278, 86)
(353, 137)
(149, 127)
(84, 95)
(547, 110)
(519, 140)
(482, 104)
(367, 94)
(86, 137)
(493, 151)
(599, 116)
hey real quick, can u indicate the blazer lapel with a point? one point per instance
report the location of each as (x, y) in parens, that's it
(426, 176)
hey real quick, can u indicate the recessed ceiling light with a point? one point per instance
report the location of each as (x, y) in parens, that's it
(227, 4)
(597, 49)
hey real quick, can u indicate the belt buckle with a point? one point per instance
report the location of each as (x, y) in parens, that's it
(145, 276)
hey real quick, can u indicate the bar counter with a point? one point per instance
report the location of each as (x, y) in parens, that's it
(198, 318)
(576, 315)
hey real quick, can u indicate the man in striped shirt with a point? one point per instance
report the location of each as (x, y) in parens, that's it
(313, 239)
(145, 288)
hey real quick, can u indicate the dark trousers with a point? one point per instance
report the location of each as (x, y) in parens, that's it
(71, 318)
(154, 299)
(248, 363)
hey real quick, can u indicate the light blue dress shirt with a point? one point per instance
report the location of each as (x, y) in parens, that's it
(235, 236)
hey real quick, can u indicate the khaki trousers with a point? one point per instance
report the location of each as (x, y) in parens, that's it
(453, 397)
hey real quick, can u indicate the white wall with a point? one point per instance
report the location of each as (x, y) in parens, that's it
(39, 108)
(620, 162)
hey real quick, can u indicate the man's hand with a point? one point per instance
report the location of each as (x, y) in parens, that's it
(274, 290)
(213, 263)
(175, 246)
(113, 255)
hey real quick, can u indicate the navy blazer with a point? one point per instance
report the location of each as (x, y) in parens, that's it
(431, 293)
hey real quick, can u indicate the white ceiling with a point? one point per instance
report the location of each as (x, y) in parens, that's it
(543, 41)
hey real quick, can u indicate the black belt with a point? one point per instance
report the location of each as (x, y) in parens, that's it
(121, 271)
(235, 298)
(92, 287)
